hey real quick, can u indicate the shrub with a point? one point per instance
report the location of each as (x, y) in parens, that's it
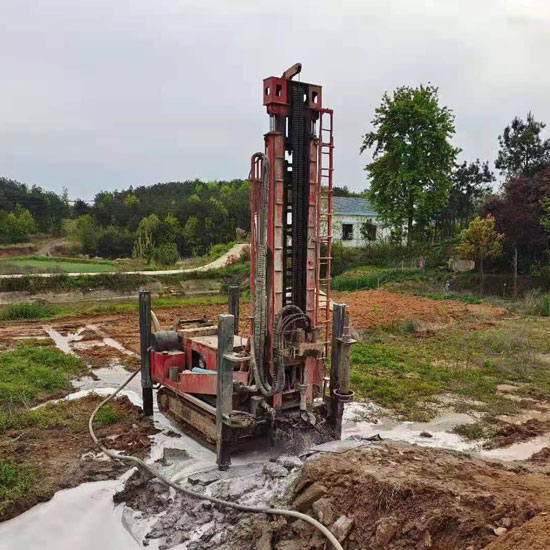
(165, 254)
(542, 305)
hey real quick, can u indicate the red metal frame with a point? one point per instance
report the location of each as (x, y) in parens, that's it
(275, 98)
(188, 381)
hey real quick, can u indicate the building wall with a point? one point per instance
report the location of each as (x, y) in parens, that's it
(338, 220)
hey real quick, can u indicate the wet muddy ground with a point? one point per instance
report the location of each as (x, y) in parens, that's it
(417, 493)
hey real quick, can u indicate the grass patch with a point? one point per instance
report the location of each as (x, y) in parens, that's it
(27, 310)
(471, 432)
(368, 277)
(542, 305)
(29, 374)
(16, 481)
(37, 311)
(107, 415)
(398, 370)
(43, 264)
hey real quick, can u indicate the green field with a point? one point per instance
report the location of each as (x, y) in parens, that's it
(37, 264)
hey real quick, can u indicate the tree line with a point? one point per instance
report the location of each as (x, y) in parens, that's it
(424, 195)
(162, 222)
(27, 210)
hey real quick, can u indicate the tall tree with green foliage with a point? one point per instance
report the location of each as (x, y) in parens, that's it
(480, 242)
(470, 186)
(522, 150)
(410, 174)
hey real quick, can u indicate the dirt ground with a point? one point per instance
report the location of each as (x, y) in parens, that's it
(398, 496)
(371, 308)
(402, 496)
(62, 454)
(368, 309)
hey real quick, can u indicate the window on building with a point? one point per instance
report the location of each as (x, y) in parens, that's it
(347, 231)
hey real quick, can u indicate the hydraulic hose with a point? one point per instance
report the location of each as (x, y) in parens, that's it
(243, 508)
(260, 293)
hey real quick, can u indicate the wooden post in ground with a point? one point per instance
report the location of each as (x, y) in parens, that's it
(145, 342)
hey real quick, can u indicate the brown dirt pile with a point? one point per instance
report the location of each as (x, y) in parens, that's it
(372, 308)
(62, 454)
(532, 535)
(408, 497)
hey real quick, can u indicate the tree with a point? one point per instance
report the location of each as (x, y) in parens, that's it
(146, 237)
(413, 157)
(545, 218)
(518, 212)
(480, 242)
(86, 233)
(344, 191)
(46, 208)
(368, 231)
(470, 185)
(80, 208)
(522, 151)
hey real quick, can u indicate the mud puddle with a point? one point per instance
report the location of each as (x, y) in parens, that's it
(83, 517)
(435, 433)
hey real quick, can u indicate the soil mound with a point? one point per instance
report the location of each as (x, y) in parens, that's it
(403, 497)
(532, 535)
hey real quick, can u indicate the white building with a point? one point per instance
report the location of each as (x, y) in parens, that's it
(355, 223)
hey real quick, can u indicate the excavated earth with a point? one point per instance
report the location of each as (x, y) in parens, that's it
(398, 496)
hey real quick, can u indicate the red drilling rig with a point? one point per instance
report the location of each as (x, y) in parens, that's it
(226, 388)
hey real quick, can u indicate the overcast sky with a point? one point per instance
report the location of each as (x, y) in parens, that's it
(103, 94)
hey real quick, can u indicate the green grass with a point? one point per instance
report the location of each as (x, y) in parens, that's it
(29, 374)
(396, 370)
(368, 277)
(34, 311)
(471, 432)
(40, 264)
(27, 310)
(107, 416)
(16, 480)
(542, 305)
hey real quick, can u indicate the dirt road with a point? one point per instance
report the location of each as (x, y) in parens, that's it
(230, 257)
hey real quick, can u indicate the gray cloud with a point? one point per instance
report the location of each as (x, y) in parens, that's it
(99, 94)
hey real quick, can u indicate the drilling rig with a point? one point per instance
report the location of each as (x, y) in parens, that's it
(227, 387)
